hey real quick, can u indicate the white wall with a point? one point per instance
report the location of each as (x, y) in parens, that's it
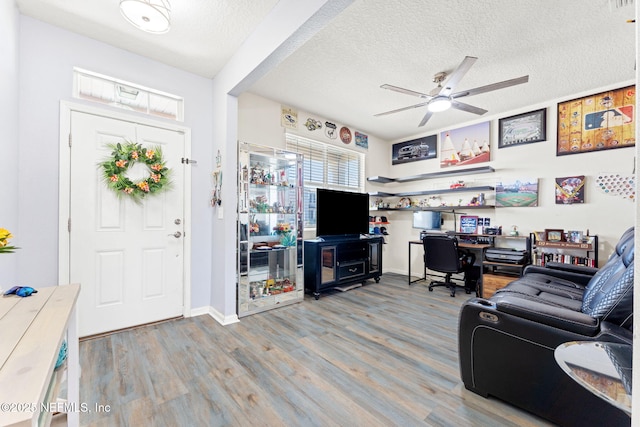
(47, 57)
(9, 77)
(601, 214)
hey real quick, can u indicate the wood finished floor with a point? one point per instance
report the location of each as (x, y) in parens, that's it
(381, 355)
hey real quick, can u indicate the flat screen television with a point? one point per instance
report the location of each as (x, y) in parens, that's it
(341, 213)
(427, 220)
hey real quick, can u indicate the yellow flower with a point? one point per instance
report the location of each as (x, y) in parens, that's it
(134, 155)
(156, 167)
(5, 234)
(143, 186)
(113, 178)
(121, 163)
(150, 154)
(128, 190)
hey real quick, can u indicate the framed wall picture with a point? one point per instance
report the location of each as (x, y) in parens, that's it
(569, 190)
(465, 146)
(597, 122)
(522, 129)
(517, 193)
(416, 149)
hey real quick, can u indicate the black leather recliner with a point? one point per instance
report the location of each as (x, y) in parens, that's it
(507, 342)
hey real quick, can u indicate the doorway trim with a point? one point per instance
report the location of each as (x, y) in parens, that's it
(64, 187)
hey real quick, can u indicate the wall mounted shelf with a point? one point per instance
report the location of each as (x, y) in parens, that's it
(437, 191)
(432, 175)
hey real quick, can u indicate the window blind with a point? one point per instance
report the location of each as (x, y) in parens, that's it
(326, 166)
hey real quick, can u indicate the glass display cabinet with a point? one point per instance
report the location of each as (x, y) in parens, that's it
(270, 272)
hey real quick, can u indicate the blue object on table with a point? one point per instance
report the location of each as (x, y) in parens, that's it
(62, 355)
(21, 291)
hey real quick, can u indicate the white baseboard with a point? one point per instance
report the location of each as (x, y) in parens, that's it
(217, 316)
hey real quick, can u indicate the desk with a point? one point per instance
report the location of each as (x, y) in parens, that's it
(31, 332)
(471, 246)
(603, 368)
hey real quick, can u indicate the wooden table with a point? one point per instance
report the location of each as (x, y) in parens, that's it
(32, 330)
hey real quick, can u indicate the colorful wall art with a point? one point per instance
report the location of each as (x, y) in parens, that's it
(570, 190)
(416, 149)
(517, 193)
(597, 122)
(465, 146)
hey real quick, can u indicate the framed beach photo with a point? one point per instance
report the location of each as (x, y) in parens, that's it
(522, 129)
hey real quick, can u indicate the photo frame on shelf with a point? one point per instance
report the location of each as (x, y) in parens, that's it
(468, 224)
(574, 236)
(554, 235)
(597, 122)
(540, 235)
(522, 129)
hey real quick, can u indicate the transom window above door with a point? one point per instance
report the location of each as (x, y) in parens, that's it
(126, 95)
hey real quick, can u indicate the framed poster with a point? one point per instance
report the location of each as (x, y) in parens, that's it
(465, 146)
(522, 129)
(416, 149)
(570, 190)
(468, 224)
(597, 122)
(517, 193)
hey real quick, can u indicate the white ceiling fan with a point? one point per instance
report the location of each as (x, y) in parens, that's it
(442, 98)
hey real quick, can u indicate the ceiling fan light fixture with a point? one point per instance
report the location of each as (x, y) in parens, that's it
(152, 16)
(439, 103)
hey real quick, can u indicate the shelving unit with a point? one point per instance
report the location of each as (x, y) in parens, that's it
(585, 253)
(497, 275)
(270, 229)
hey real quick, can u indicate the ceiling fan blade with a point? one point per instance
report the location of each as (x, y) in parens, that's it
(405, 91)
(422, 104)
(491, 87)
(426, 118)
(468, 108)
(457, 75)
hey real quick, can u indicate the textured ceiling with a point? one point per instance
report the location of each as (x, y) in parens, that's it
(566, 47)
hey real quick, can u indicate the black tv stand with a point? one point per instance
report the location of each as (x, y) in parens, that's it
(335, 261)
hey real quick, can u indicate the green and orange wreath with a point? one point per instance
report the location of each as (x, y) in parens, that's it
(123, 157)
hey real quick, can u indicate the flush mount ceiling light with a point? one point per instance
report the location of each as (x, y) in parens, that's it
(152, 16)
(439, 103)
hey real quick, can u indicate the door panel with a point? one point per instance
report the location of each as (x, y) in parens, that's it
(124, 254)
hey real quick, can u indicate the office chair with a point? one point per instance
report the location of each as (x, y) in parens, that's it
(441, 254)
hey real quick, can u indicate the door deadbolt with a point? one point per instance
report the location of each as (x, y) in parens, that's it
(177, 221)
(177, 234)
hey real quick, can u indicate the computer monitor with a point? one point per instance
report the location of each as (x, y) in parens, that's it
(427, 220)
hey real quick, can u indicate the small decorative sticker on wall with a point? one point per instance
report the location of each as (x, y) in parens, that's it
(362, 140)
(289, 117)
(570, 190)
(330, 130)
(313, 124)
(345, 135)
(615, 184)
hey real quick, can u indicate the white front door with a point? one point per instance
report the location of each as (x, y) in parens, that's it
(128, 257)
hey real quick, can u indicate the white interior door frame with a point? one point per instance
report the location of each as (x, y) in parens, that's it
(64, 187)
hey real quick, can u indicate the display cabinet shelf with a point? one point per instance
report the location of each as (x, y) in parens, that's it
(270, 229)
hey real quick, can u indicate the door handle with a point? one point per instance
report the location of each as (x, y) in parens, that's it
(177, 234)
